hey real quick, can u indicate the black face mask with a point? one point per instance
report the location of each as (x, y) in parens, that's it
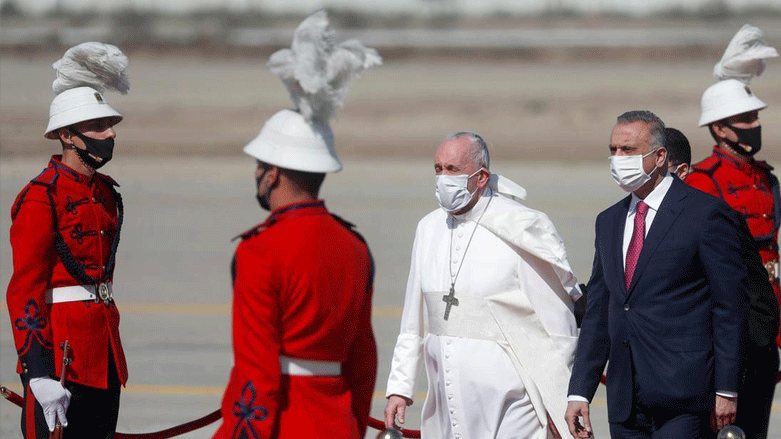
(747, 136)
(99, 148)
(262, 200)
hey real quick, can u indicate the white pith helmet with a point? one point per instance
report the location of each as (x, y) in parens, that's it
(727, 98)
(317, 73)
(77, 105)
(289, 141)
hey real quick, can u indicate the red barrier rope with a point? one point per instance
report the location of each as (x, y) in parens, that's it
(380, 425)
(187, 427)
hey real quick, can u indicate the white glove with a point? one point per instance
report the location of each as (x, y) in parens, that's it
(53, 398)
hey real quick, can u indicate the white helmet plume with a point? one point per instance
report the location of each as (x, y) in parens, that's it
(316, 71)
(97, 65)
(745, 56)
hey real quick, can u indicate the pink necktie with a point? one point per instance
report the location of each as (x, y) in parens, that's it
(636, 243)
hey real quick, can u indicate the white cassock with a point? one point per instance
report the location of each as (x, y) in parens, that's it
(504, 356)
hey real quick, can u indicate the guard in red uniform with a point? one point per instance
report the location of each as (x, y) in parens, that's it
(730, 110)
(65, 230)
(305, 359)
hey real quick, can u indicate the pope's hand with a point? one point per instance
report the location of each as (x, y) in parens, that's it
(397, 405)
(574, 410)
(53, 398)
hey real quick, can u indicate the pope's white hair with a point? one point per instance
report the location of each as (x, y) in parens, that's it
(97, 65)
(480, 155)
(745, 56)
(318, 72)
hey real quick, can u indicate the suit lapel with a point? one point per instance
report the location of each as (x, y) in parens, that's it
(672, 206)
(615, 263)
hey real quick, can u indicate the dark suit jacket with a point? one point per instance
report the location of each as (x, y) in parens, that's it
(676, 335)
(763, 307)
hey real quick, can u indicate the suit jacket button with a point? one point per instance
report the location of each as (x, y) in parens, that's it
(625, 343)
(626, 307)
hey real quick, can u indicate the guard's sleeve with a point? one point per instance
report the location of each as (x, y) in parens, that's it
(720, 253)
(34, 256)
(360, 369)
(252, 399)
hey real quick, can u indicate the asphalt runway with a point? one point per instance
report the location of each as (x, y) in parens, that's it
(172, 282)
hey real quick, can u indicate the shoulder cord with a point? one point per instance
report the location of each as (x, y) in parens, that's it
(73, 267)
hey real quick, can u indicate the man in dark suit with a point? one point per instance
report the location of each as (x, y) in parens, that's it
(667, 302)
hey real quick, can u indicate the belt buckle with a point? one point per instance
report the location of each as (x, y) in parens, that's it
(103, 294)
(772, 270)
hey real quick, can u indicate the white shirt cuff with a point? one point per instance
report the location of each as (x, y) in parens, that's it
(727, 394)
(577, 398)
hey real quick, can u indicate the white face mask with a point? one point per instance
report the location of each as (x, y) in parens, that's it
(628, 170)
(452, 193)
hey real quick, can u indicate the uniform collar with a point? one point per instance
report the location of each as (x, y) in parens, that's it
(310, 207)
(734, 161)
(304, 208)
(62, 169)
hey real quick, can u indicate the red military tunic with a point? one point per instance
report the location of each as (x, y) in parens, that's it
(87, 212)
(302, 288)
(751, 189)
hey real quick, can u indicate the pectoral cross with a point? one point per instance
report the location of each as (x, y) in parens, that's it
(451, 300)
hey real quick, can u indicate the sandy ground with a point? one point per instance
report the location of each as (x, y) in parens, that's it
(173, 286)
(557, 110)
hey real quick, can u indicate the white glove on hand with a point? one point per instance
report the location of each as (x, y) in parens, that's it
(53, 398)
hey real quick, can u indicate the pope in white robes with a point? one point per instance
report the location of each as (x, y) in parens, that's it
(499, 365)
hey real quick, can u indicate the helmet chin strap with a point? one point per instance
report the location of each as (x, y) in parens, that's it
(79, 154)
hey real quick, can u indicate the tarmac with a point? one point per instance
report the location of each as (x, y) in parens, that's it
(172, 282)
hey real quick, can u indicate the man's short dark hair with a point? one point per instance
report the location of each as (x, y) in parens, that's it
(655, 124)
(307, 181)
(678, 149)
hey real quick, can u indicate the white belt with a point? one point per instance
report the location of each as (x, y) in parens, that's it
(300, 367)
(471, 318)
(772, 270)
(76, 293)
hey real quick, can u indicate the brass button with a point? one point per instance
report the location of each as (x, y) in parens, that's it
(102, 233)
(94, 200)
